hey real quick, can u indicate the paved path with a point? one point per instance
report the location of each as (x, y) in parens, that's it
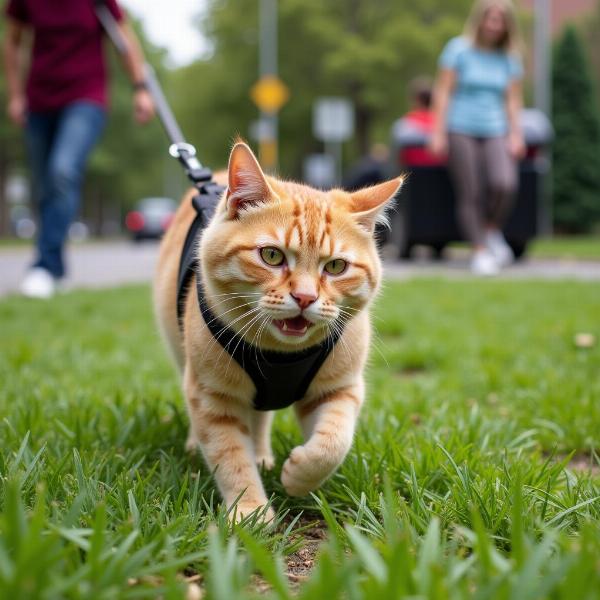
(106, 264)
(91, 265)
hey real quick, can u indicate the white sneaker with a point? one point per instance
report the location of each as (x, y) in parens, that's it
(38, 283)
(484, 263)
(496, 244)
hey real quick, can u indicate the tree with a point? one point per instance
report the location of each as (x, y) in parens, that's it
(576, 154)
(589, 28)
(12, 148)
(361, 49)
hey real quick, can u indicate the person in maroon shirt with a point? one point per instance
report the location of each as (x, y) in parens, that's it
(63, 110)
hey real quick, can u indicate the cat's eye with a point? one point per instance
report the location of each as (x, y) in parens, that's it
(272, 256)
(336, 266)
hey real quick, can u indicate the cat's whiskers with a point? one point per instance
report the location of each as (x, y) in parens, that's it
(341, 323)
(336, 328)
(377, 338)
(387, 364)
(231, 299)
(257, 336)
(241, 334)
(357, 310)
(235, 294)
(217, 317)
(226, 294)
(215, 338)
(347, 313)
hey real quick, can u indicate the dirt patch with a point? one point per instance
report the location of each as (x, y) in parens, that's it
(299, 564)
(582, 463)
(193, 582)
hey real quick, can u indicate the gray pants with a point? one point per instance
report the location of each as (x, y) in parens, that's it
(479, 165)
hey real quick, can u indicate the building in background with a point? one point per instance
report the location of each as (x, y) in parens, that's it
(564, 11)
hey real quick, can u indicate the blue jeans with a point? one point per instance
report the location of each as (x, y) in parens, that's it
(59, 143)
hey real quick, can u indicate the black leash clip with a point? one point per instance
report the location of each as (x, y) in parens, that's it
(186, 154)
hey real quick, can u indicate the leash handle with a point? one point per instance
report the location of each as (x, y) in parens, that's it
(180, 149)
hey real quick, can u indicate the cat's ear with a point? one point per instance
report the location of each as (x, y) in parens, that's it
(247, 185)
(369, 204)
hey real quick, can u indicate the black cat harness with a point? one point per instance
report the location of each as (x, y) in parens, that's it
(280, 378)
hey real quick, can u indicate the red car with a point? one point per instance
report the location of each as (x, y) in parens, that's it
(150, 218)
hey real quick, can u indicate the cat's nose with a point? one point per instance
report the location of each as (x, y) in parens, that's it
(303, 300)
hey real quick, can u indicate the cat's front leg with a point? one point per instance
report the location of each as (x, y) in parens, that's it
(223, 430)
(261, 434)
(328, 424)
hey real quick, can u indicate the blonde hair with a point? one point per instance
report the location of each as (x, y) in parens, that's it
(511, 40)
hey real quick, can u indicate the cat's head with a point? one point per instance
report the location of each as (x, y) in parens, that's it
(284, 264)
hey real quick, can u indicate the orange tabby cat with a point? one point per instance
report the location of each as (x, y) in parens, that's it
(286, 267)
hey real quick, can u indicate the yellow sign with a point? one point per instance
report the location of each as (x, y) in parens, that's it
(269, 93)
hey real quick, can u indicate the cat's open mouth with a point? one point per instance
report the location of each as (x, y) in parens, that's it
(296, 326)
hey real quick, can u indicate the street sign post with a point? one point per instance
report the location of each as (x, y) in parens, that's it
(333, 124)
(319, 171)
(333, 119)
(269, 93)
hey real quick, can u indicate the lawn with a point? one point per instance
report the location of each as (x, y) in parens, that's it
(574, 247)
(586, 247)
(473, 473)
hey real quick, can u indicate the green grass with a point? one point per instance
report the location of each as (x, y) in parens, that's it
(567, 247)
(12, 243)
(458, 484)
(575, 247)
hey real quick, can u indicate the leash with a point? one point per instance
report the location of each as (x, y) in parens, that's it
(180, 149)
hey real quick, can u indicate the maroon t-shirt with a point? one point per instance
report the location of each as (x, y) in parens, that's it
(67, 62)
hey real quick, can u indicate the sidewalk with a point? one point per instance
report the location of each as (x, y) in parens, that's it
(106, 264)
(91, 265)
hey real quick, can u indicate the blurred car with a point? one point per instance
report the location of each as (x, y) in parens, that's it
(150, 218)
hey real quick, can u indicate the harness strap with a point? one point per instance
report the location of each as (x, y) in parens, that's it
(205, 203)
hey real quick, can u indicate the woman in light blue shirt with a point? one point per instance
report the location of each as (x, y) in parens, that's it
(477, 101)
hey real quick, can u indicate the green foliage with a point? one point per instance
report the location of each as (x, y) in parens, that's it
(589, 29)
(367, 51)
(576, 118)
(458, 485)
(585, 247)
(12, 147)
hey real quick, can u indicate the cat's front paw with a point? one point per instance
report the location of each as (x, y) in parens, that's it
(191, 444)
(265, 461)
(300, 474)
(245, 509)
